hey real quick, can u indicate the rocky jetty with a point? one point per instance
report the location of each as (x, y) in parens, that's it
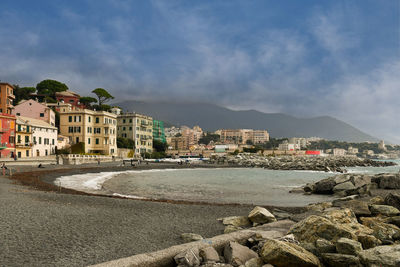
(327, 164)
(328, 235)
(354, 184)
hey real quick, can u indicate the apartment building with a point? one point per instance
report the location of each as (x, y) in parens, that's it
(7, 135)
(178, 143)
(192, 135)
(243, 136)
(158, 131)
(70, 98)
(23, 145)
(96, 129)
(6, 98)
(33, 109)
(139, 128)
(44, 137)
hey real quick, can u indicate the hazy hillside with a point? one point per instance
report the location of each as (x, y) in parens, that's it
(212, 117)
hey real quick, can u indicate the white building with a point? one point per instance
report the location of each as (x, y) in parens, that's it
(287, 147)
(339, 152)
(352, 150)
(44, 137)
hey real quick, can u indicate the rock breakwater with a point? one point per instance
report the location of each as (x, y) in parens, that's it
(327, 164)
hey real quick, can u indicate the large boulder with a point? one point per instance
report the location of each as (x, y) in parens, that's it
(254, 262)
(385, 210)
(209, 255)
(279, 253)
(340, 260)
(394, 220)
(239, 221)
(188, 258)
(368, 241)
(381, 256)
(324, 246)
(348, 246)
(316, 227)
(360, 180)
(190, 237)
(387, 181)
(382, 231)
(360, 208)
(393, 200)
(236, 254)
(324, 186)
(261, 215)
(343, 187)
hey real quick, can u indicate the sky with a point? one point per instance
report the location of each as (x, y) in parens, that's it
(304, 58)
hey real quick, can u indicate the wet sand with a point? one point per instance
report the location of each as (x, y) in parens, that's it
(40, 226)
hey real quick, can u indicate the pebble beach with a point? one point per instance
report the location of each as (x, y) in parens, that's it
(48, 228)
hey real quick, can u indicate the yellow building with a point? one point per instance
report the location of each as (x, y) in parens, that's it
(96, 129)
(23, 142)
(6, 98)
(139, 128)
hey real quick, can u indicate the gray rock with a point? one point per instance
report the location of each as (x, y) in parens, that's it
(340, 260)
(230, 229)
(393, 200)
(188, 258)
(190, 237)
(324, 186)
(324, 246)
(341, 178)
(236, 254)
(360, 180)
(368, 241)
(343, 187)
(348, 246)
(261, 215)
(381, 256)
(387, 181)
(378, 200)
(279, 253)
(394, 220)
(254, 262)
(384, 210)
(209, 255)
(360, 208)
(240, 221)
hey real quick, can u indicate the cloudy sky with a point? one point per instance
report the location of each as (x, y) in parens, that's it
(305, 58)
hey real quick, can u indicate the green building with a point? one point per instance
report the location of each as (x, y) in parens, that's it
(158, 131)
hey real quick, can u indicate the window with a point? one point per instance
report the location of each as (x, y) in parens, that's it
(41, 114)
(26, 139)
(70, 129)
(97, 120)
(123, 121)
(77, 140)
(34, 140)
(11, 139)
(18, 114)
(19, 138)
(27, 129)
(70, 119)
(97, 141)
(40, 140)
(71, 101)
(130, 120)
(130, 128)
(52, 141)
(124, 128)
(27, 153)
(88, 141)
(89, 119)
(19, 154)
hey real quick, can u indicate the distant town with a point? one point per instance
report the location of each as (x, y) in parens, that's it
(50, 119)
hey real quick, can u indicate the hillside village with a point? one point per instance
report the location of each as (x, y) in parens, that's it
(51, 119)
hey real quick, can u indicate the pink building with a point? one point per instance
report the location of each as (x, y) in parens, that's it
(32, 109)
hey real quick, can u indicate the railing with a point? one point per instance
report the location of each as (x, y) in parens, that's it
(23, 144)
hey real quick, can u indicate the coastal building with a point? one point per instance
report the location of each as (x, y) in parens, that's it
(70, 98)
(61, 107)
(192, 135)
(158, 131)
(7, 135)
(62, 142)
(172, 131)
(23, 145)
(139, 128)
(287, 147)
(339, 152)
(243, 136)
(178, 143)
(96, 129)
(381, 145)
(352, 150)
(44, 137)
(6, 98)
(299, 141)
(33, 109)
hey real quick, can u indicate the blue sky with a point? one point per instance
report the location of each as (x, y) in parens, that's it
(305, 58)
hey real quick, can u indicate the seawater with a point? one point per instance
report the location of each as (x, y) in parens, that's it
(225, 185)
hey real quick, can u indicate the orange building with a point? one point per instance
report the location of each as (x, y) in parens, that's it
(6, 98)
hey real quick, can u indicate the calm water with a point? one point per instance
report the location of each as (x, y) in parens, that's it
(231, 185)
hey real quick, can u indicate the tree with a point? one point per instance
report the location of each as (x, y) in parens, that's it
(208, 137)
(159, 146)
(87, 100)
(102, 95)
(125, 143)
(50, 87)
(22, 93)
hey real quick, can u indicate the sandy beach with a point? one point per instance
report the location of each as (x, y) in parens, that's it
(42, 227)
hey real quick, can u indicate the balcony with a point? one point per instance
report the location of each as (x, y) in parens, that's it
(23, 144)
(11, 96)
(4, 130)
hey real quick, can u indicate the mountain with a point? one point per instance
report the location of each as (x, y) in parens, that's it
(212, 117)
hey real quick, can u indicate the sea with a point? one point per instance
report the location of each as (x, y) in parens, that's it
(254, 186)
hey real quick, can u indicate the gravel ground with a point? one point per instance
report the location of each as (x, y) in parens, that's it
(44, 228)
